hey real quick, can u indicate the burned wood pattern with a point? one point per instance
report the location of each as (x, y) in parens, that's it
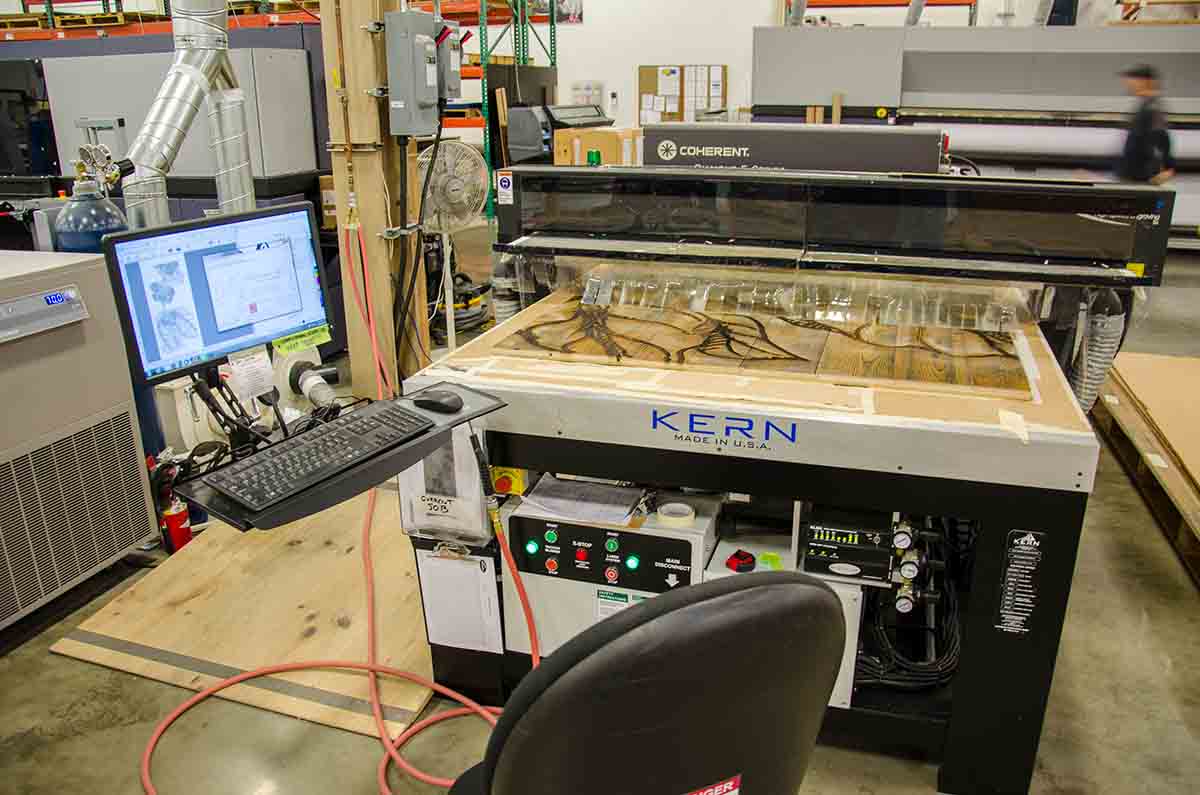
(733, 342)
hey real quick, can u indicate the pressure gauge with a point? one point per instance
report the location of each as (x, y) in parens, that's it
(905, 599)
(902, 539)
(910, 566)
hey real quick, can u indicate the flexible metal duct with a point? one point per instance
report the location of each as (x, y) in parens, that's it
(1041, 14)
(796, 16)
(1101, 342)
(201, 72)
(915, 9)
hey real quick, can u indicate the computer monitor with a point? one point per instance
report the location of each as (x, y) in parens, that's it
(190, 294)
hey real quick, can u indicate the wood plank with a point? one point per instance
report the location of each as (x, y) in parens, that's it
(231, 601)
(1155, 470)
(1163, 388)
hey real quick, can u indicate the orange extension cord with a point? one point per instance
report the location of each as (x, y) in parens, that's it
(371, 666)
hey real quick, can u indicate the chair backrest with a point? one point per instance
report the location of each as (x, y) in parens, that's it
(718, 688)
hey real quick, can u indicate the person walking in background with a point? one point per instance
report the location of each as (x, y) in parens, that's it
(1146, 156)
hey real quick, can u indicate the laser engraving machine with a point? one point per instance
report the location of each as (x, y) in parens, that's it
(874, 378)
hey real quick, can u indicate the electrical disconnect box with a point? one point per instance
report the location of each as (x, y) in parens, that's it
(450, 61)
(413, 74)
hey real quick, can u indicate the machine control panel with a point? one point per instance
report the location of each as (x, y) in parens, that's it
(849, 544)
(599, 555)
(33, 314)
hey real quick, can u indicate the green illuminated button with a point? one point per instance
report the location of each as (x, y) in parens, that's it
(551, 537)
(611, 545)
(632, 562)
(531, 547)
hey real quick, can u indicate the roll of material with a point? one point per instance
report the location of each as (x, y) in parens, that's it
(676, 514)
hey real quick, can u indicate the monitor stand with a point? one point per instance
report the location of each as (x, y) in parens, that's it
(233, 417)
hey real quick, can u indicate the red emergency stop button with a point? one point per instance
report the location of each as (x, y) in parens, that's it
(552, 565)
(581, 554)
(504, 484)
(611, 574)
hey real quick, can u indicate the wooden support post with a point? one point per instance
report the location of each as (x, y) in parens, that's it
(819, 114)
(838, 100)
(367, 163)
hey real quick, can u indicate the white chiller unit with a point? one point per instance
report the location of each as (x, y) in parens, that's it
(74, 493)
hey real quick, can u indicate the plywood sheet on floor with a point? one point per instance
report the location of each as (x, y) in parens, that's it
(1165, 390)
(745, 343)
(230, 602)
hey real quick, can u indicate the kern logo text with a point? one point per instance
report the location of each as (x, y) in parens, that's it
(720, 430)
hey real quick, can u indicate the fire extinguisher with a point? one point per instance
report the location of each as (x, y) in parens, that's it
(174, 524)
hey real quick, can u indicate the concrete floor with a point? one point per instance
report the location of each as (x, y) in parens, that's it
(1171, 322)
(1123, 717)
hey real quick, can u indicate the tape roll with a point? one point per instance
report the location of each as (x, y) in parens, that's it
(676, 514)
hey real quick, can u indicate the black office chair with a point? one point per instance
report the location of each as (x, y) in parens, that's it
(718, 688)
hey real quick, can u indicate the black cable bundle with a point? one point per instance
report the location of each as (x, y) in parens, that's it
(890, 667)
(404, 299)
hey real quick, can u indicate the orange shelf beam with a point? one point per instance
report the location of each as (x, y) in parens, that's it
(459, 123)
(150, 28)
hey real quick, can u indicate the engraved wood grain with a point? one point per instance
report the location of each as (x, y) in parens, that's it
(727, 342)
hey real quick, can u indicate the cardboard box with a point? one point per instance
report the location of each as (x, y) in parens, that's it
(617, 147)
(328, 203)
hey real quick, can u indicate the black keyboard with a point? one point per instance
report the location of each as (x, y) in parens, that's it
(291, 466)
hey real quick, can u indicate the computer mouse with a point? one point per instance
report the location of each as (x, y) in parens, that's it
(439, 400)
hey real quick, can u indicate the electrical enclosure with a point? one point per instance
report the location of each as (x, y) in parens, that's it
(412, 72)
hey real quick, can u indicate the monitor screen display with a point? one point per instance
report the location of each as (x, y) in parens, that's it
(199, 293)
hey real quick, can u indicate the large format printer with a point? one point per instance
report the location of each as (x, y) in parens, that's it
(725, 371)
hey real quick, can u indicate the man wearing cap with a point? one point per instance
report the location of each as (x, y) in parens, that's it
(1146, 156)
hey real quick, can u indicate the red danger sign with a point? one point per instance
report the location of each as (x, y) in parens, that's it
(730, 786)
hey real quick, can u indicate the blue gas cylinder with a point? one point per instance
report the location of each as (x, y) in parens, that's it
(88, 216)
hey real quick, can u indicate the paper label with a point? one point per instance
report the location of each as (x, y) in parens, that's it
(455, 60)
(453, 509)
(668, 80)
(1111, 400)
(1020, 582)
(504, 187)
(462, 608)
(610, 603)
(398, 104)
(431, 74)
(251, 374)
(309, 338)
